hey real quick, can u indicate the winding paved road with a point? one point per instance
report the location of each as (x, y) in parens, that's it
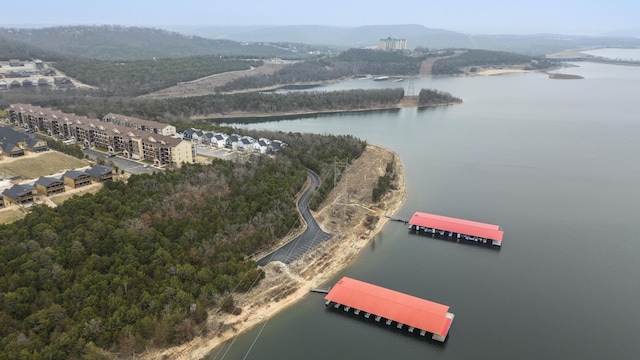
(306, 241)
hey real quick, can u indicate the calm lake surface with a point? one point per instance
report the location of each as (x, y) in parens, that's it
(556, 163)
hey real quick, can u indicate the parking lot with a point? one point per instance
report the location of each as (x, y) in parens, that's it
(127, 165)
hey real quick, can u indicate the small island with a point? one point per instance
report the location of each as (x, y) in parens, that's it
(565, 76)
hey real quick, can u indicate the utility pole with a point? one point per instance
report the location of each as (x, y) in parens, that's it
(341, 166)
(410, 90)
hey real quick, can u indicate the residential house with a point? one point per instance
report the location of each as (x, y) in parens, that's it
(18, 194)
(196, 136)
(49, 185)
(15, 84)
(261, 146)
(76, 179)
(219, 140)
(43, 82)
(275, 146)
(3, 85)
(187, 134)
(14, 143)
(28, 83)
(100, 173)
(246, 143)
(63, 82)
(15, 63)
(207, 138)
(232, 142)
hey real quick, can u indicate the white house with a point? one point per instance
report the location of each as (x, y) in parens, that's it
(261, 145)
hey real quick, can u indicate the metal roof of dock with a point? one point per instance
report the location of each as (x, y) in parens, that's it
(393, 305)
(460, 226)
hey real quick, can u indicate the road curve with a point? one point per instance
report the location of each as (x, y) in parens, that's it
(312, 236)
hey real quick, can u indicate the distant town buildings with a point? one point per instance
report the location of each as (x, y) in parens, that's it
(391, 44)
(139, 142)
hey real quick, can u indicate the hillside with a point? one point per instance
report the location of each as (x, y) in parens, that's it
(416, 36)
(126, 43)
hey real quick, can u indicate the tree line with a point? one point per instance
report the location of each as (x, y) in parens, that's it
(432, 97)
(144, 76)
(452, 65)
(348, 63)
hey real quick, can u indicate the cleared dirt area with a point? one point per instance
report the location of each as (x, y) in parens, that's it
(207, 85)
(58, 199)
(11, 214)
(425, 67)
(32, 166)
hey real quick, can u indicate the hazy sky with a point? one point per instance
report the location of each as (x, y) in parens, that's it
(472, 16)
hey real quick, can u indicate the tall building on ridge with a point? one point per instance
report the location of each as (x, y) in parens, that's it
(391, 44)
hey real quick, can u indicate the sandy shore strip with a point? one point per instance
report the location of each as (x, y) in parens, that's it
(491, 72)
(285, 285)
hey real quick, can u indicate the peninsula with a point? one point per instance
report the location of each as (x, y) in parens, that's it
(284, 285)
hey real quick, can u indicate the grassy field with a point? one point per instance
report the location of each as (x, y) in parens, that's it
(35, 165)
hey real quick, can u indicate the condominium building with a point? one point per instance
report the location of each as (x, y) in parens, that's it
(391, 44)
(131, 142)
(153, 127)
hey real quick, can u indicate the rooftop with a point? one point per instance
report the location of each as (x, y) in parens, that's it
(393, 305)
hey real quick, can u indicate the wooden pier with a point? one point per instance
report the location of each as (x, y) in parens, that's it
(393, 218)
(320, 290)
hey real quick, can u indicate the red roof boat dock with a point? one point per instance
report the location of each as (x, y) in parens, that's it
(458, 229)
(392, 306)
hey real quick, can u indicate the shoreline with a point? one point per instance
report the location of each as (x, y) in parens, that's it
(316, 267)
(248, 115)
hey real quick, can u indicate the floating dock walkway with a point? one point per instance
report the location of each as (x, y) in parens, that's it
(456, 229)
(390, 306)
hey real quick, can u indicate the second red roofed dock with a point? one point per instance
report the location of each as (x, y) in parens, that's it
(392, 306)
(458, 229)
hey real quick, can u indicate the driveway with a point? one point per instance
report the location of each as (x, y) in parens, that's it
(127, 165)
(306, 241)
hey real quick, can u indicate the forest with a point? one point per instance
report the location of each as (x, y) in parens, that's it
(453, 65)
(139, 263)
(432, 97)
(144, 76)
(181, 109)
(348, 63)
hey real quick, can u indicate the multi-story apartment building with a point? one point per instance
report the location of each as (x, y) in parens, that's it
(131, 142)
(391, 44)
(153, 127)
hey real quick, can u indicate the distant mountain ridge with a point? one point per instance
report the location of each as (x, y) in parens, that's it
(120, 43)
(416, 35)
(129, 43)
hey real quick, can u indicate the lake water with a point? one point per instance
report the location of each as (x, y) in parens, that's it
(555, 163)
